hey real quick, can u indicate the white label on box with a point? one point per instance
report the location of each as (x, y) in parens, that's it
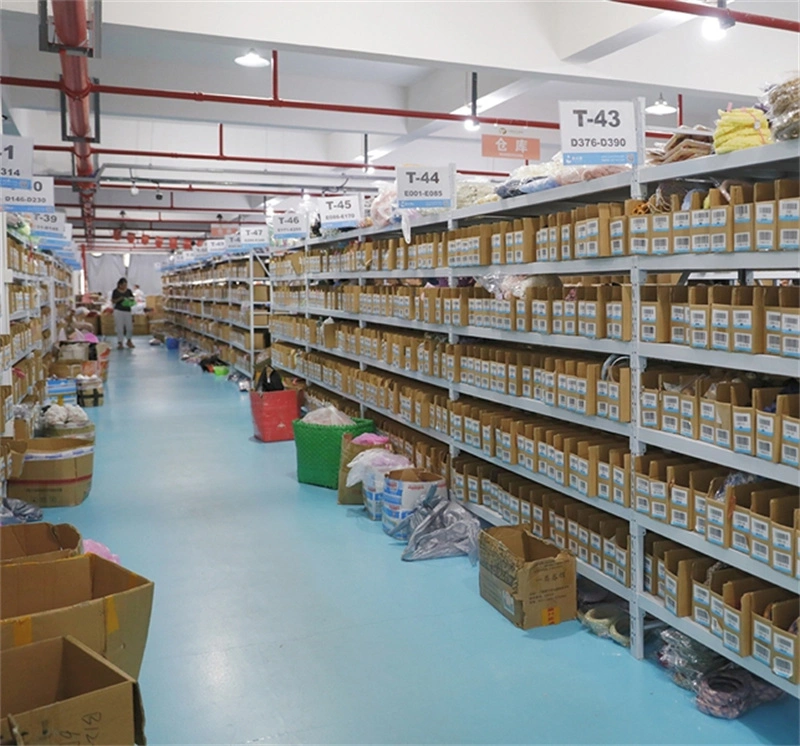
(762, 631)
(765, 240)
(783, 644)
(789, 239)
(732, 620)
(759, 528)
(731, 641)
(682, 244)
(765, 212)
(671, 604)
(759, 551)
(701, 616)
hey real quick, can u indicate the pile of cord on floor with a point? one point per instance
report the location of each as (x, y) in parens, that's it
(722, 688)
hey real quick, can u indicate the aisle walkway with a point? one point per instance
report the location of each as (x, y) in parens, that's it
(282, 618)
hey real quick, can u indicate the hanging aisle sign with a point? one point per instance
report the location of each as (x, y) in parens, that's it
(254, 236)
(51, 225)
(39, 198)
(16, 165)
(343, 211)
(597, 132)
(290, 225)
(426, 186)
(215, 244)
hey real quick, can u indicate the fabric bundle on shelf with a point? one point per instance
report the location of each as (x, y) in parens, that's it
(738, 129)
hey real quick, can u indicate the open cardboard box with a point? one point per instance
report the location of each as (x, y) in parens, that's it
(529, 581)
(59, 691)
(38, 542)
(102, 604)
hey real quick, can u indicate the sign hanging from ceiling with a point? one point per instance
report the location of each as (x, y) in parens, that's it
(597, 132)
(426, 186)
(50, 225)
(215, 244)
(290, 225)
(16, 165)
(254, 236)
(343, 211)
(38, 198)
(507, 146)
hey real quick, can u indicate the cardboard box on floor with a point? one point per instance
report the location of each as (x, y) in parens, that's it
(38, 542)
(59, 691)
(56, 472)
(102, 604)
(527, 580)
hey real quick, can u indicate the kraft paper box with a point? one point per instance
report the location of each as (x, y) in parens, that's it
(786, 644)
(56, 472)
(787, 193)
(102, 604)
(678, 565)
(38, 542)
(762, 629)
(766, 219)
(743, 217)
(59, 691)
(529, 581)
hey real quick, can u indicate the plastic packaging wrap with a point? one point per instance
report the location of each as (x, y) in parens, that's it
(439, 528)
(378, 460)
(732, 691)
(101, 550)
(783, 103)
(738, 129)
(688, 660)
(383, 209)
(371, 439)
(327, 415)
(18, 511)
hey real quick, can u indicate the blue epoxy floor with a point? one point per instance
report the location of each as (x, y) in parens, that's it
(281, 617)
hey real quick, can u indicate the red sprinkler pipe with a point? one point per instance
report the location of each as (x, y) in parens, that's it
(223, 98)
(680, 110)
(243, 159)
(69, 18)
(697, 9)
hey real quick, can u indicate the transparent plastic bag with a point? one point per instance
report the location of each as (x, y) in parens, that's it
(439, 528)
(688, 660)
(783, 106)
(376, 461)
(327, 415)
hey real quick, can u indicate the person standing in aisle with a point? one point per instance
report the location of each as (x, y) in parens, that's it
(123, 301)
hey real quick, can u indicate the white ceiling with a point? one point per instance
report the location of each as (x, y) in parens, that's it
(634, 52)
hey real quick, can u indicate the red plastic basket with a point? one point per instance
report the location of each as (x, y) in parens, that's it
(273, 414)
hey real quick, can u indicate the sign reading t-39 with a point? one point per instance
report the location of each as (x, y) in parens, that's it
(425, 186)
(595, 132)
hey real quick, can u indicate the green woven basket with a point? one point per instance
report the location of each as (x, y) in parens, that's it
(319, 448)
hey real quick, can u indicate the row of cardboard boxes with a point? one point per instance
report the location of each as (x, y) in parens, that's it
(235, 269)
(575, 383)
(761, 218)
(221, 331)
(217, 293)
(26, 261)
(751, 417)
(751, 616)
(748, 417)
(72, 639)
(674, 489)
(235, 314)
(746, 319)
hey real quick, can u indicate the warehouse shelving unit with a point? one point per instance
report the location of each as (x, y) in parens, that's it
(241, 287)
(761, 163)
(47, 292)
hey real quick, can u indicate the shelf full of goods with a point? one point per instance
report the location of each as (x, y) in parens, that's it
(590, 385)
(220, 306)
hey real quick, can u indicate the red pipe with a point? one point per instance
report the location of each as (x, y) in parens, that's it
(69, 18)
(221, 98)
(697, 9)
(680, 110)
(241, 159)
(221, 141)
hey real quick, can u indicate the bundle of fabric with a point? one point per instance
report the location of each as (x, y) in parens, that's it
(738, 129)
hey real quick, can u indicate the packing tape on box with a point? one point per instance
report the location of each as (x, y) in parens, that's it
(112, 620)
(60, 455)
(23, 631)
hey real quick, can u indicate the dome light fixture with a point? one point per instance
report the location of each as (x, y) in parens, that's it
(470, 125)
(714, 28)
(252, 59)
(660, 108)
(134, 188)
